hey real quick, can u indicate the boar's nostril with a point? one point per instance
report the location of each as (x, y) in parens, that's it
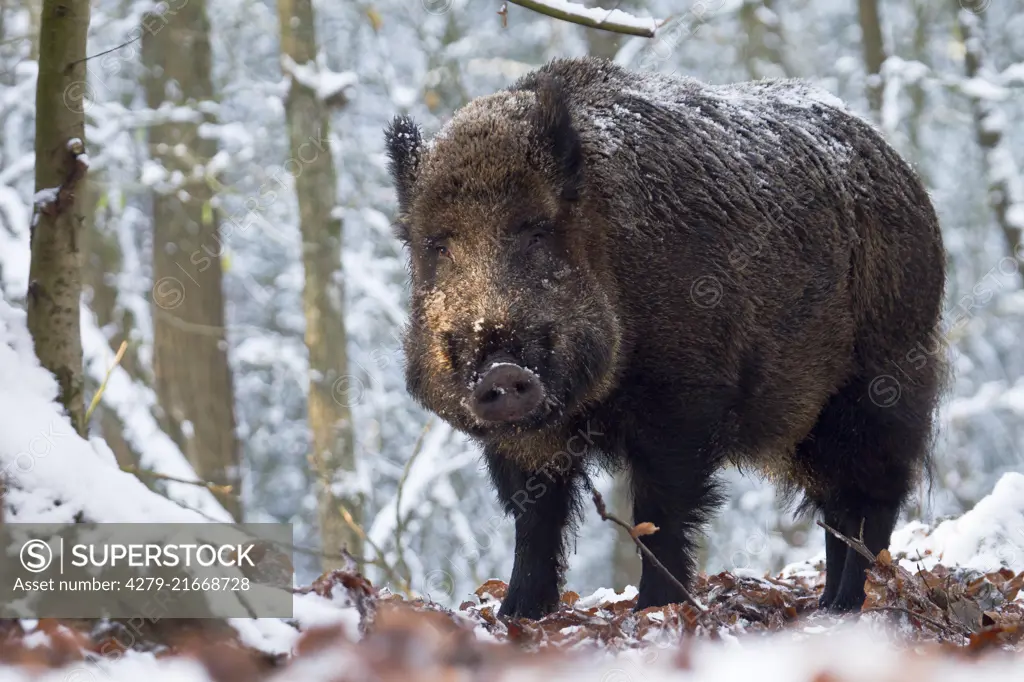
(506, 393)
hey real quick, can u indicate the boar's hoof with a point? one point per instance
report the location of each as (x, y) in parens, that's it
(506, 393)
(845, 604)
(522, 604)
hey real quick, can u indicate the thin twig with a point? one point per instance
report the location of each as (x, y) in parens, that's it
(100, 54)
(399, 524)
(602, 511)
(103, 386)
(583, 20)
(358, 530)
(307, 551)
(212, 487)
(857, 545)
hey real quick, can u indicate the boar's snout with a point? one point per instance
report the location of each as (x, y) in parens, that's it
(505, 393)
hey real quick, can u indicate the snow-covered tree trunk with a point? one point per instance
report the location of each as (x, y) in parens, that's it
(55, 284)
(333, 450)
(1005, 183)
(874, 52)
(190, 360)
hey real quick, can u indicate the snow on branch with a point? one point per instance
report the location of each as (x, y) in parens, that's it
(55, 200)
(613, 20)
(330, 87)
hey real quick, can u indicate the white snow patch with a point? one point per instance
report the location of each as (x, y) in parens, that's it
(45, 197)
(133, 402)
(987, 537)
(52, 473)
(979, 88)
(312, 611)
(318, 77)
(509, 69)
(606, 595)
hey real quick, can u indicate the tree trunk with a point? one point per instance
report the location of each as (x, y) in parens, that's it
(923, 10)
(874, 52)
(1001, 170)
(330, 421)
(606, 44)
(102, 256)
(55, 284)
(190, 359)
(625, 563)
(34, 8)
(765, 42)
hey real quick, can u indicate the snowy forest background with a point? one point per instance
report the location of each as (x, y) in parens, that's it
(193, 113)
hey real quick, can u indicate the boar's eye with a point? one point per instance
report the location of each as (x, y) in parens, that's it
(440, 249)
(438, 245)
(536, 239)
(536, 235)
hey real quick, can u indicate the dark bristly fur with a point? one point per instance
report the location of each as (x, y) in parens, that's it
(696, 275)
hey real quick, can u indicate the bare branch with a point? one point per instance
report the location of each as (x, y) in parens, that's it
(857, 545)
(402, 583)
(399, 521)
(212, 487)
(615, 21)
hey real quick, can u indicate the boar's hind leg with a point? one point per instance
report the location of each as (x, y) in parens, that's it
(543, 504)
(673, 488)
(859, 464)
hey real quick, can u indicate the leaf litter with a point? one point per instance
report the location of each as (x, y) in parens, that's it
(957, 613)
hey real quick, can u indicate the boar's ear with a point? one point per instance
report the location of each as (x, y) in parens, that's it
(554, 124)
(404, 142)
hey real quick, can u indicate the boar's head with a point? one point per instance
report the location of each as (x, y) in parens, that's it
(512, 326)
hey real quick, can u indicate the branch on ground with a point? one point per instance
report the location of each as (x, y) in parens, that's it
(883, 562)
(635, 532)
(857, 545)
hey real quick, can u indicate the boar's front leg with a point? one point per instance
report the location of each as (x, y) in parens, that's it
(673, 487)
(541, 504)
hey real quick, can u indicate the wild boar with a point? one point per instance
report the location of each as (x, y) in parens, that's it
(651, 272)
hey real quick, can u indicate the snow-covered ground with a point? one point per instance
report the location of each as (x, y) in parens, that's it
(53, 475)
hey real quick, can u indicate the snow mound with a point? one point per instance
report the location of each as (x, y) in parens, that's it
(987, 537)
(51, 474)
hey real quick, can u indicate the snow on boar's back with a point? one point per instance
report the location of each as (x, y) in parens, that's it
(644, 270)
